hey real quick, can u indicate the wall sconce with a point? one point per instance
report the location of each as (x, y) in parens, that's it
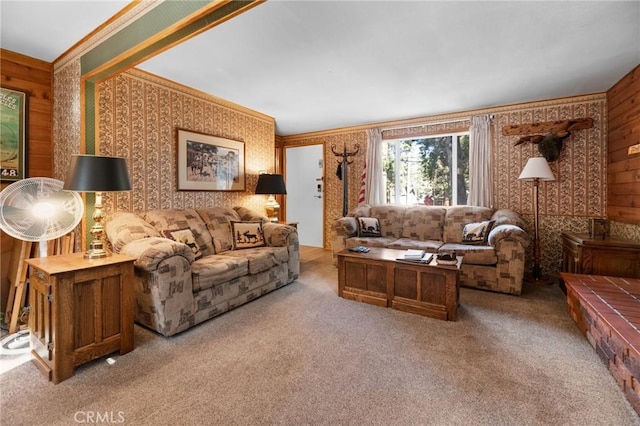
(271, 185)
(90, 173)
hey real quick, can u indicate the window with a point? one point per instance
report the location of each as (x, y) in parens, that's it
(433, 170)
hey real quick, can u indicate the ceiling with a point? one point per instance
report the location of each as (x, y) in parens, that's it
(316, 65)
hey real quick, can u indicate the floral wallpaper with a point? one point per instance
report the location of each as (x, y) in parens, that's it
(580, 186)
(66, 117)
(138, 117)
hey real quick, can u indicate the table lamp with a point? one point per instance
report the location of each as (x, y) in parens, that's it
(536, 170)
(92, 173)
(271, 185)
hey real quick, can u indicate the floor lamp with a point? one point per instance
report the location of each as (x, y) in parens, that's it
(536, 170)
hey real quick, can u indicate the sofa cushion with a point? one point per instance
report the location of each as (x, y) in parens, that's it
(431, 246)
(477, 232)
(261, 258)
(217, 269)
(369, 241)
(369, 227)
(424, 223)
(185, 236)
(457, 216)
(218, 222)
(247, 235)
(475, 255)
(175, 219)
(391, 219)
(124, 227)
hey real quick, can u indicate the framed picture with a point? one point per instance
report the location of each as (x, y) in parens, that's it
(598, 228)
(209, 163)
(13, 134)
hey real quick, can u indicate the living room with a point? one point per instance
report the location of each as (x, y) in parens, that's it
(136, 103)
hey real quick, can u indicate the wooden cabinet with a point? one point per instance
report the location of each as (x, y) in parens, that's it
(81, 310)
(582, 254)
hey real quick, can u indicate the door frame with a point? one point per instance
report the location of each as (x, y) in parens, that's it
(324, 173)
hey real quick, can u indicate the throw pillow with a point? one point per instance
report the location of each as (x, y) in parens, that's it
(477, 232)
(247, 235)
(185, 236)
(369, 227)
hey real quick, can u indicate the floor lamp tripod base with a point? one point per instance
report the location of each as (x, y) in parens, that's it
(536, 277)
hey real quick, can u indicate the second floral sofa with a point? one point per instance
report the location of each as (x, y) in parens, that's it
(492, 261)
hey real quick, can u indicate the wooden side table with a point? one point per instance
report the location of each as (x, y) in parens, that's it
(81, 310)
(582, 254)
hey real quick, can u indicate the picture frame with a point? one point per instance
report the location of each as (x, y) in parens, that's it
(13, 134)
(598, 228)
(209, 163)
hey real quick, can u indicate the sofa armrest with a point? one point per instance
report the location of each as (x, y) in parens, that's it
(508, 232)
(123, 227)
(341, 230)
(510, 242)
(150, 252)
(279, 234)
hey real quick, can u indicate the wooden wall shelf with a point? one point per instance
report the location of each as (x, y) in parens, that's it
(548, 127)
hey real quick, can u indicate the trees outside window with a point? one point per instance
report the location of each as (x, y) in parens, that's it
(432, 170)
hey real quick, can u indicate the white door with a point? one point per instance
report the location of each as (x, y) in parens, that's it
(305, 187)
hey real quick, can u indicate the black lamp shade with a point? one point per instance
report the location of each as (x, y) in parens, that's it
(92, 173)
(270, 184)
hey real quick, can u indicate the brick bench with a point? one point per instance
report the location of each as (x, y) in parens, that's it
(607, 311)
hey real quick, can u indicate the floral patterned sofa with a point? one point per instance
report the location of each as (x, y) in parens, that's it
(195, 264)
(494, 258)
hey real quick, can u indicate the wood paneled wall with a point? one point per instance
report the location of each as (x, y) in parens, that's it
(34, 77)
(623, 168)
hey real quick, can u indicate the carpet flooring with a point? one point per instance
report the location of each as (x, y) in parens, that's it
(302, 355)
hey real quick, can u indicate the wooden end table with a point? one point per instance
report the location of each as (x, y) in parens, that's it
(378, 278)
(81, 310)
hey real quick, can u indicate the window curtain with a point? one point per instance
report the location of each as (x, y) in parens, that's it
(372, 171)
(480, 162)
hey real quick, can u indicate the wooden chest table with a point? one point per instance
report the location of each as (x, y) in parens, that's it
(81, 310)
(378, 278)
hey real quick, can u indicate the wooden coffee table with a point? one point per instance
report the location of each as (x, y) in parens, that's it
(378, 278)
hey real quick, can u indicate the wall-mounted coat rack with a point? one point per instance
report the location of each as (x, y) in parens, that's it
(344, 162)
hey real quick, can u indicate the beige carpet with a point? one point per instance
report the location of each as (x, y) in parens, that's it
(302, 355)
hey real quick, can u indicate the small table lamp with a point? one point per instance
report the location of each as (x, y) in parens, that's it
(91, 173)
(536, 170)
(271, 185)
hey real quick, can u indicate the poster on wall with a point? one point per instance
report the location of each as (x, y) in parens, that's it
(13, 130)
(209, 163)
